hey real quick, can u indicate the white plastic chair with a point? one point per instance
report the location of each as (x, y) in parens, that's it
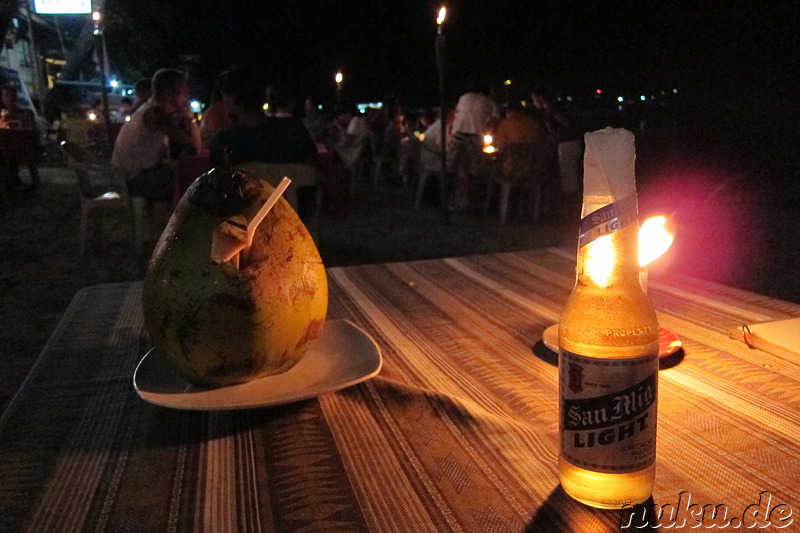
(521, 166)
(101, 192)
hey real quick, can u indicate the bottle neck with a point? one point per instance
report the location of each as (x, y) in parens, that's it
(611, 259)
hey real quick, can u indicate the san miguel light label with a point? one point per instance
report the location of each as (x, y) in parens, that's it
(608, 219)
(606, 428)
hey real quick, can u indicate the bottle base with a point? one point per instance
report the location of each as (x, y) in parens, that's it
(606, 491)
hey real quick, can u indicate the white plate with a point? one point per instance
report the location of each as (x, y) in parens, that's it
(550, 338)
(342, 356)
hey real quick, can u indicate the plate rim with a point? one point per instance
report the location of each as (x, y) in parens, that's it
(188, 400)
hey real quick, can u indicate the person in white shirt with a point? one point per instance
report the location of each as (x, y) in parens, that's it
(475, 114)
(431, 153)
(349, 134)
(475, 111)
(142, 147)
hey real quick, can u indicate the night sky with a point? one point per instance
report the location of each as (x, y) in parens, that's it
(740, 50)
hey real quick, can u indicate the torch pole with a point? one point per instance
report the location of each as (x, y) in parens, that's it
(104, 78)
(441, 55)
(102, 58)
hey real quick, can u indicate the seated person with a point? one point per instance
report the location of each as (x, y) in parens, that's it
(280, 138)
(348, 134)
(15, 117)
(518, 126)
(142, 147)
(142, 91)
(125, 109)
(557, 123)
(215, 117)
(395, 142)
(431, 155)
(314, 120)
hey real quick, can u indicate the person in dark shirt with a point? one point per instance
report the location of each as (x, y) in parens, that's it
(278, 137)
(142, 91)
(15, 117)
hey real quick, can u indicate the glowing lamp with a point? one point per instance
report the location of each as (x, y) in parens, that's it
(441, 16)
(488, 147)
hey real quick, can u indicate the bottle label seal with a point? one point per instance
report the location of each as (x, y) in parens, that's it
(608, 219)
(608, 412)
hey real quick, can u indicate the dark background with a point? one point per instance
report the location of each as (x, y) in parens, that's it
(720, 155)
(740, 53)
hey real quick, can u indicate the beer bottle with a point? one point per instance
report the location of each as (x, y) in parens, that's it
(608, 341)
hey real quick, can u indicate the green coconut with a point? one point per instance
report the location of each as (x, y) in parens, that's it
(221, 322)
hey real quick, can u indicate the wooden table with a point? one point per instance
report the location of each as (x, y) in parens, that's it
(458, 432)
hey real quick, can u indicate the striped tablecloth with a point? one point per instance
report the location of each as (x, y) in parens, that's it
(457, 433)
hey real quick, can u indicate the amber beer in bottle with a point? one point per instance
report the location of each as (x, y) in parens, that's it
(608, 341)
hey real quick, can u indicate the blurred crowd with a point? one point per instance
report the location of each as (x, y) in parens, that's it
(250, 118)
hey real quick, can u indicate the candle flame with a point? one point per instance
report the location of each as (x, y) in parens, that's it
(339, 77)
(488, 147)
(442, 14)
(654, 239)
